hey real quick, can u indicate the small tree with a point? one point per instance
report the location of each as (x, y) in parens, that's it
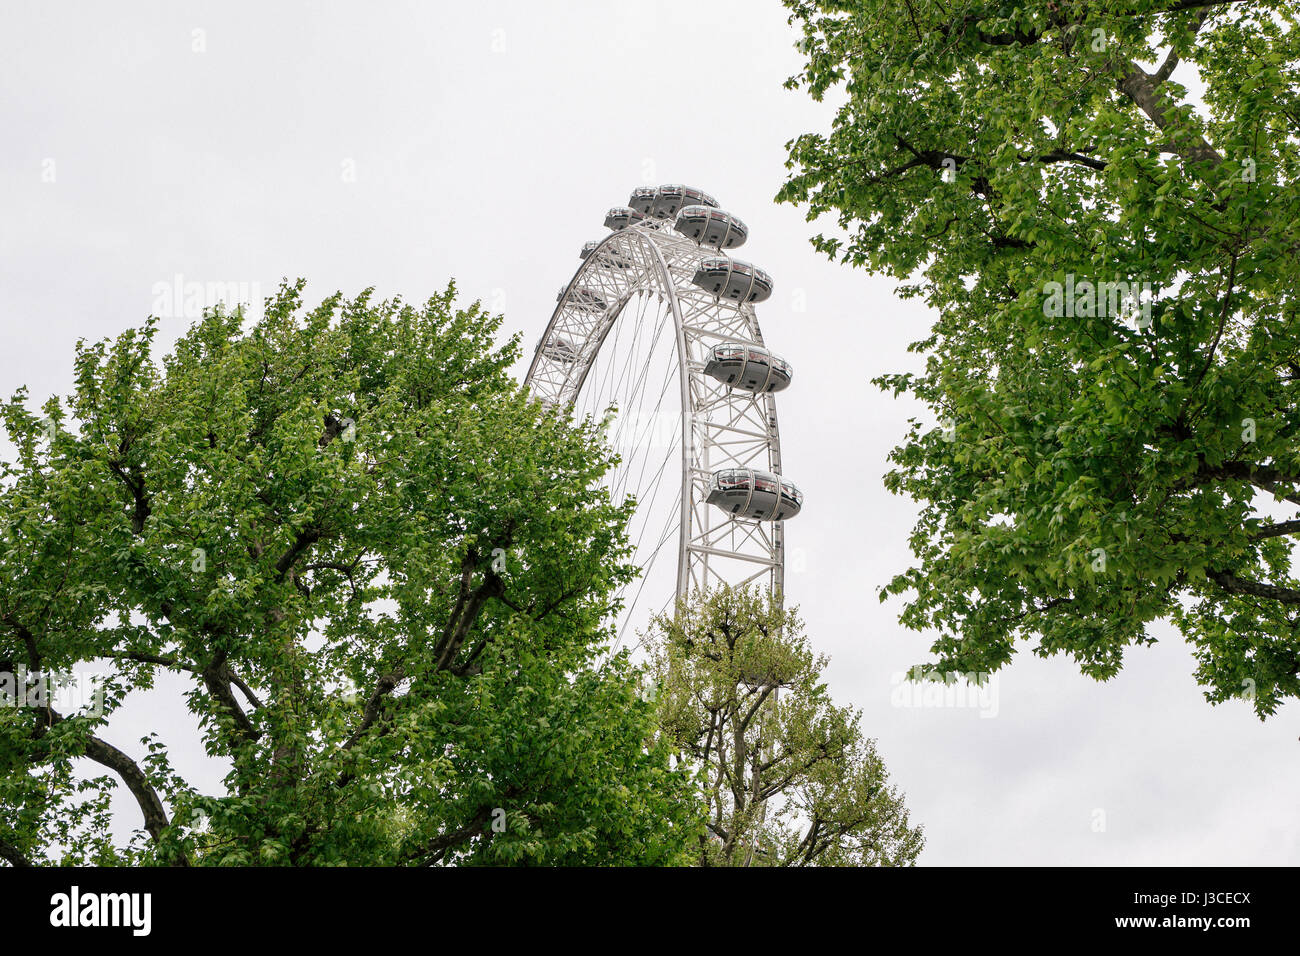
(385, 572)
(788, 778)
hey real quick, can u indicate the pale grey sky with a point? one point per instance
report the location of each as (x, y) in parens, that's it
(484, 142)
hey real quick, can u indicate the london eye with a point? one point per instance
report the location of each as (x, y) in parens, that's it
(656, 335)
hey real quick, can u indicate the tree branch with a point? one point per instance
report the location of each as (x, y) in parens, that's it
(1140, 87)
(433, 852)
(1265, 477)
(146, 797)
(467, 611)
(1236, 585)
(1277, 530)
(13, 856)
(305, 539)
(135, 484)
(1065, 156)
(217, 678)
(385, 686)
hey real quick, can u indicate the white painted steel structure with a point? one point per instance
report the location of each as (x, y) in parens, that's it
(633, 330)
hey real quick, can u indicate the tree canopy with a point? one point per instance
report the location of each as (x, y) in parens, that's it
(787, 776)
(1099, 201)
(386, 573)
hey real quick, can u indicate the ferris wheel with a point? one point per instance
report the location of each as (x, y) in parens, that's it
(656, 337)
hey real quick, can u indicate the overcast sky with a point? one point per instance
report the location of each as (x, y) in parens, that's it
(398, 145)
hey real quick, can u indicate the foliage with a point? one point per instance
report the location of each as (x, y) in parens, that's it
(1102, 464)
(384, 568)
(788, 778)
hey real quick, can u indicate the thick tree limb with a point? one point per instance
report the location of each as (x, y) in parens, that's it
(305, 539)
(1265, 477)
(460, 623)
(436, 850)
(1140, 87)
(745, 721)
(1278, 530)
(134, 482)
(334, 427)
(160, 660)
(1235, 585)
(104, 753)
(146, 797)
(1065, 156)
(247, 691)
(469, 603)
(217, 678)
(13, 856)
(164, 660)
(383, 687)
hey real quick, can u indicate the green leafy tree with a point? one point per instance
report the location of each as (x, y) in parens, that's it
(386, 572)
(787, 777)
(1114, 263)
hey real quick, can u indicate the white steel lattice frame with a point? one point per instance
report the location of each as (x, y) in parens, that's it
(721, 427)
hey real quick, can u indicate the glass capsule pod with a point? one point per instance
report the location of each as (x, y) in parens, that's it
(711, 227)
(732, 279)
(582, 299)
(620, 217)
(664, 202)
(643, 199)
(610, 259)
(558, 349)
(749, 493)
(750, 367)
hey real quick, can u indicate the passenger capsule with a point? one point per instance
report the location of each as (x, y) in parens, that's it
(711, 227)
(761, 495)
(732, 279)
(643, 199)
(582, 299)
(665, 201)
(609, 258)
(620, 217)
(558, 349)
(749, 367)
